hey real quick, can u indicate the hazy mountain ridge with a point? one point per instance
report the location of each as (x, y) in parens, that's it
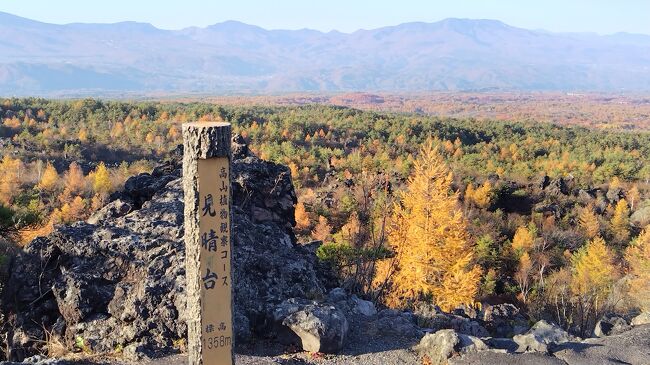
(453, 54)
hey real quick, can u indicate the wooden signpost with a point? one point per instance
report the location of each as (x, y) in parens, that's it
(208, 236)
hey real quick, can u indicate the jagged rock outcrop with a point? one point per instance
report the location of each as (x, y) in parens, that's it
(117, 281)
(431, 317)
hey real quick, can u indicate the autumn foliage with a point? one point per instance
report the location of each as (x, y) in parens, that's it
(433, 256)
(637, 256)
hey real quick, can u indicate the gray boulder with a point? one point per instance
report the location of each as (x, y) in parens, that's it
(337, 295)
(321, 328)
(542, 337)
(392, 323)
(641, 217)
(438, 347)
(363, 307)
(641, 319)
(610, 325)
(615, 194)
(504, 320)
(558, 186)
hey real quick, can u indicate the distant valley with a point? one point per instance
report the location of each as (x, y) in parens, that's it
(234, 58)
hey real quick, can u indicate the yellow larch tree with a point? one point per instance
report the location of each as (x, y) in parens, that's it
(83, 135)
(588, 222)
(637, 256)
(593, 275)
(118, 130)
(101, 180)
(73, 211)
(302, 218)
(483, 195)
(49, 179)
(9, 179)
(322, 231)
(433, 256)
(524, 239)
(469, 193)
(621, 221)
(74, 183)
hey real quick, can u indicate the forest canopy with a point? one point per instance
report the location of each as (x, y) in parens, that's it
(536, 206)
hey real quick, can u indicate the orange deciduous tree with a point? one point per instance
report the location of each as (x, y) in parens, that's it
(302, 218)
(621, 221)
(101, 180)
(428, 233)
(322, 231)
(593, 275)
(50, 178)
(588, 222)
(637, 256)
(483, 195)
(9, 179)
(524, 239)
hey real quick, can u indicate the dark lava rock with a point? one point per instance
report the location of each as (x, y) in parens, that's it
(558, 187)
(504, 320)
(120, 283)
(611, 325)
(543, 182)
(615, 194)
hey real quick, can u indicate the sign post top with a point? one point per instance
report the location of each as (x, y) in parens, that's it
(206, 124)
(206, 139)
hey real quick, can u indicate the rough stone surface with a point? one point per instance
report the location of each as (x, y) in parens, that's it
(615, 194)
(431, 317)
(542, 337)
(321, 328)
(504, 320)
(643, 318)
(558, 187)
(507, 344)
(115, 209)
(630, 347)
(610, 325)
(498, 358)
(121, 282)
(441, 345)
(364, 307)
(393, 323)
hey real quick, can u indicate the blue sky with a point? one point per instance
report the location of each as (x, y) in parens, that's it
(600, 16)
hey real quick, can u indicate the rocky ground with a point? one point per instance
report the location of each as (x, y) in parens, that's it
(111, 291)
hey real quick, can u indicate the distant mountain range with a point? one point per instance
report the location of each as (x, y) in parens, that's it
(231, 57)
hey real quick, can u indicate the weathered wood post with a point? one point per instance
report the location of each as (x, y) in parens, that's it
(208, 226)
